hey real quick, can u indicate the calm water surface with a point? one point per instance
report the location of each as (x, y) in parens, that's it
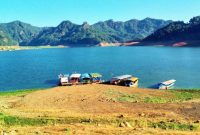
(39, 68)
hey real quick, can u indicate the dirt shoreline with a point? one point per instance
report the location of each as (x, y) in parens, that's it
(17, 48)
(178, 43)
(193, 43)
(101, 109)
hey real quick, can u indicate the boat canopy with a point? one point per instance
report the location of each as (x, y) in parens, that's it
(121, 77)
(75, 75)
(95, 75)
(85, 75)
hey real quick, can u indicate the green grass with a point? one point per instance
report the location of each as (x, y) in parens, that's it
(177, 96)
(174, 126)
(20, 121)
(12, 120)
(152, 99)
(17, 92)
(122, 97)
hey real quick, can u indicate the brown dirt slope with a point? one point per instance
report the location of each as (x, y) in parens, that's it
(95, 99)
(99, 109)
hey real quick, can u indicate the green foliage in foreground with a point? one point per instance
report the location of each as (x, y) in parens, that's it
(21, 121)
(177, 96)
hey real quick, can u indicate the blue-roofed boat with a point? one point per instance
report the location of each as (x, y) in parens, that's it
(96, 77)
(86, 78)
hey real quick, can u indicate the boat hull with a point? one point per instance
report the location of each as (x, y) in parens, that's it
(164, 87)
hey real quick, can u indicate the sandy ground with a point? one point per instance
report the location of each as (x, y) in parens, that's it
(105, 44)
(80, 129)
(92, 101)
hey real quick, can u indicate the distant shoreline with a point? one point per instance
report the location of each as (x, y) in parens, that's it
(177, 43)
(17, 48)
(106, 44)
(192, 43)
(13, 91)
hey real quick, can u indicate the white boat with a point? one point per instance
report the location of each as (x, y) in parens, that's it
(74, 78)
(75, 75)
(166, 84)
(64, 79)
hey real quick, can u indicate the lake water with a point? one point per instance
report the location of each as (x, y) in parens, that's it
(39, 68)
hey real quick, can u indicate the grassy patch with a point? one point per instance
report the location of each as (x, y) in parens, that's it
(20, 121)
(122, 97)
(152, 99)
(174, 126)
(185, 95)
(12, 120)
(17, 92)
(177, 96)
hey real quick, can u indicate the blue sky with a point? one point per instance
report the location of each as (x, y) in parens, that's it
(52, 12)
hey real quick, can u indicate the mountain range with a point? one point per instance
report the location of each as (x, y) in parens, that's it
(16, 33)
(176, 34)
(147, 31)
(68, 33)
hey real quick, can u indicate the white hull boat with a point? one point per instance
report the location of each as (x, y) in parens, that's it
(64, 79)
(166, 84)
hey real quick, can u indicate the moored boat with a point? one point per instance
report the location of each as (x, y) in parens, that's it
(63, 79)
(86, 78)
(166, 84)
(96, 77)
(74, 78)
(125, 80)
